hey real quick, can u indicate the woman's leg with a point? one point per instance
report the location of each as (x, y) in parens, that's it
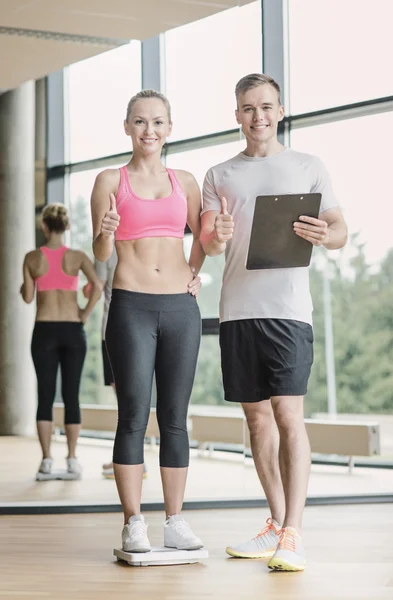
(44, 351)
(177, 354)
(131, 339)
(72, 357)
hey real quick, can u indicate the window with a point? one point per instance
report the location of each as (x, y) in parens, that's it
(92, 386)
(99, 91)
(357, 155)
(198, 162)
(207, 387)
(204, 60)
(339, 52)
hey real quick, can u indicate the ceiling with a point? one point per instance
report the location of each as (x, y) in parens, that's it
(38, 37)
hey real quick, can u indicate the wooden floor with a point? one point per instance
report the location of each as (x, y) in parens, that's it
(69, 557)
(225, 476)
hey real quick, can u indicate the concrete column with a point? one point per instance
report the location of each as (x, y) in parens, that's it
(40, 143)
(17, 378)
(274, 51)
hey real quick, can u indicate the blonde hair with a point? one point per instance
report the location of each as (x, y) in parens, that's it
(254, 80)
(55, 217)
(149, 94)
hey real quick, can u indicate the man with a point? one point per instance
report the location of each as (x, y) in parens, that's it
(266, 333)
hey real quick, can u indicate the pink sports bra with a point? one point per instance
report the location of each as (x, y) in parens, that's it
(140, 218)
(55, 278)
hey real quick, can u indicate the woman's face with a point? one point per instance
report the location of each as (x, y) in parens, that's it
(148, 125)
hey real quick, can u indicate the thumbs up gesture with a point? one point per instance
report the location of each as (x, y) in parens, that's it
(223, 224)
(111, 220)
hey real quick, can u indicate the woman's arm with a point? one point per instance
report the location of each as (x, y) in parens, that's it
(28, 286)
(104, 214)
(87, 268)
(197, 254)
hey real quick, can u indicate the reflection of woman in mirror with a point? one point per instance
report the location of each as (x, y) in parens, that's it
(154, 322)
(59, 336)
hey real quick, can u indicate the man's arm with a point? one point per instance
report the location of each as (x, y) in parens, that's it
(216, 230)
(330, 230)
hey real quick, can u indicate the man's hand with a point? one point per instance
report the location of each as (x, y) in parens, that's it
(195, 285)
(313, 230)
(223, 224)
(111, 220)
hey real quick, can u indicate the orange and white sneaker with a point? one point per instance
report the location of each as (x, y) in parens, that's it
(290, 555)
(262, 546)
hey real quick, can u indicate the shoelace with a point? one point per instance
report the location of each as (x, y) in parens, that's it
(138, 528)
(182, 527)
(73, 465)
(268, 527)
(46, 464)
(286, 541)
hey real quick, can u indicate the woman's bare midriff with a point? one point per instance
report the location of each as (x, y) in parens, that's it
(152, 266)
(57, 305)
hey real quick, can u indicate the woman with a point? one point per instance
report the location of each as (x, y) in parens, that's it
(154, 321)
(59, 336)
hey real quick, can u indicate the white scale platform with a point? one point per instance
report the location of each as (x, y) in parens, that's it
(161, 556)
(57, 475)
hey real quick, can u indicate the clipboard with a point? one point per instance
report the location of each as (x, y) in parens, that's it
(273, 243)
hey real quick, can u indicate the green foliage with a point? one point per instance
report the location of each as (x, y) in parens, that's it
(363, 336)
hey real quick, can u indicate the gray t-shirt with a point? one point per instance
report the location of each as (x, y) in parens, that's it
(272, 293)
(105, 272)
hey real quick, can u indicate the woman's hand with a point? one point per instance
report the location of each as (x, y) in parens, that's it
(83, 315)
(111, 219)
(195, 285)
(87, 289)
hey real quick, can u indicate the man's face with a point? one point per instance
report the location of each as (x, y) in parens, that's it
(259, 112)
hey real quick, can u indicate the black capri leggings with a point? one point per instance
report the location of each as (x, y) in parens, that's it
(54, 343)
(149, 333)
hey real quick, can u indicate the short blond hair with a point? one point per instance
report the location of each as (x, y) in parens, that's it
(254, 80)
(55, 216)
(149, 94)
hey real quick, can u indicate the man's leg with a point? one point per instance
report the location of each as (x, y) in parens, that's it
(245, 381)
(294, 456)
(265, 451)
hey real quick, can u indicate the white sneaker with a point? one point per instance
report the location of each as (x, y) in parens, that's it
(134, 535)
(46, 466)
(74, 467)
(178, 534)
(290, 555)
(109, 473)
(263, 545)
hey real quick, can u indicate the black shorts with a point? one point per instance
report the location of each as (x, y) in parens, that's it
(108, 375)
(261, 358)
